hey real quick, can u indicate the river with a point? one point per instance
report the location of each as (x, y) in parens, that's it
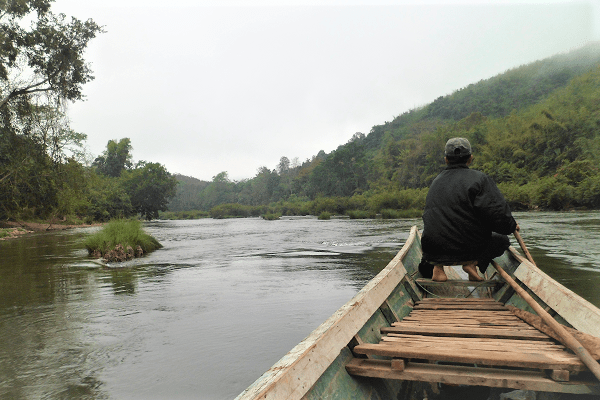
(206, 315)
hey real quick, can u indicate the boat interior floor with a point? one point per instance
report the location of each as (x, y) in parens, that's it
(476, 342)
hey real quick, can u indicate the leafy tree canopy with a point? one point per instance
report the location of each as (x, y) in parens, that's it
(45, 58)
(150, 187)
(115, 159)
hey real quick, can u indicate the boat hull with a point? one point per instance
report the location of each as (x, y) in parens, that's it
(317, 367)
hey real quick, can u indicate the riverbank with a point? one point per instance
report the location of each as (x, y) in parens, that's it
(14, 229)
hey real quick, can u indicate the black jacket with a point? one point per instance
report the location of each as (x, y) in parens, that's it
(462, 209)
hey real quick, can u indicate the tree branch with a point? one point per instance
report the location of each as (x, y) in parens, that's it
(25, 90)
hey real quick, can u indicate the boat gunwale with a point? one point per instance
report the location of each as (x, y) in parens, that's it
(577, 311)
(296, 372)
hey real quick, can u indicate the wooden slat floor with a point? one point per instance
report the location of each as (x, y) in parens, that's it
(479, 335)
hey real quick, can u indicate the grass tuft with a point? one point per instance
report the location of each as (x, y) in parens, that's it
(123, 232)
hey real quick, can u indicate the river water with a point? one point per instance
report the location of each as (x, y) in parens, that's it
(206, 315)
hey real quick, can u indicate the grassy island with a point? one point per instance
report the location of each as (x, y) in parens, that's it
(121, 240)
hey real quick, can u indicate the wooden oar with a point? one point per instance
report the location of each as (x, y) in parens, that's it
(565, 337)
(523, 247)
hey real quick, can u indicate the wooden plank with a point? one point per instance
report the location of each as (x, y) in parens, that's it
(458, 299)
(451, 318)
(499, 319)
(472, 345)
(591, 343)
(462, 312)
(564, 361)
(500, 314)
(578, 312)
(294, 374)
(491, 306)
(471, 376)
(470, 332)
(459, 282)
(465, 324)
(566, 338)
(507, 344)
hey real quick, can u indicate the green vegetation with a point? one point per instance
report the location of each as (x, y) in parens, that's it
(175, 215)
(271, 217)
(44, 173)
(534, 129)
(127, 233)
(360, 214)
(325, 215)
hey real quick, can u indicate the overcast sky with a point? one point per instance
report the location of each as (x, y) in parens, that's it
(209, 86)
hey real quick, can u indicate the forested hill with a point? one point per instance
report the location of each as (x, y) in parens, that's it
(498, 96)
(534, 129)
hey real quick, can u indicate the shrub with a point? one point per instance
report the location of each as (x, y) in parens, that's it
(360, 214)
(271, 216)
(333, 205)
(517, 196)
(234, 210)
(325, 215)
(398, 200)
(191, 214)
(590, 192)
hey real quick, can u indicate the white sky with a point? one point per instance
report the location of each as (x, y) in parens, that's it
(209, 86)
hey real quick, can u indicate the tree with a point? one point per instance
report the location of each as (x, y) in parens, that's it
(150, 187)
(219, 191)
(48, 58)
(41, 67)
(115, 159)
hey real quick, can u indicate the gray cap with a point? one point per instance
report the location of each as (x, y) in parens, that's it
(458, 147)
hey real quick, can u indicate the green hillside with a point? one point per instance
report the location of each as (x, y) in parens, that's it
(534, 129)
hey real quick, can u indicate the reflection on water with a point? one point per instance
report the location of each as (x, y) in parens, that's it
(217, 306)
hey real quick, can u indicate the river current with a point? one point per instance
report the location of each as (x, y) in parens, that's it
(220, 303)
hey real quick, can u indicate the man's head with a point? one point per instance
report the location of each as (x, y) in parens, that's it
(458, 151)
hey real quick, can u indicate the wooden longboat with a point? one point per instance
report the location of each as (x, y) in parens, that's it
(382, 344)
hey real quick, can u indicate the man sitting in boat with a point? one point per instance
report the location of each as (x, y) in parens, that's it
(466, 218)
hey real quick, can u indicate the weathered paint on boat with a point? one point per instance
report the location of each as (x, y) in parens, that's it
(315, 368)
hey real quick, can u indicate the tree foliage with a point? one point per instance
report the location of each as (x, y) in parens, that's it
(41, 67)
(115, 159)
(150, 186)
(47, 58)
